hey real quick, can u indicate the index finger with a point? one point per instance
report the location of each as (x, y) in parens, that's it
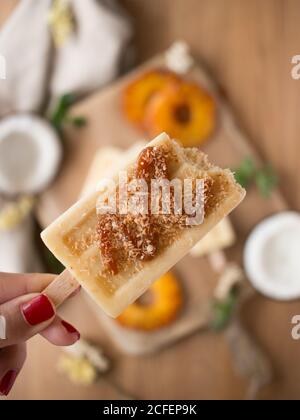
(14, 285)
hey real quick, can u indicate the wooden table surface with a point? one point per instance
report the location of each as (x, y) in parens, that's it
(247, 46)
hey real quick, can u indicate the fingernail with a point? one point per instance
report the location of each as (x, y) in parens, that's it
(37, 310)
(7, 382)
(71, 329)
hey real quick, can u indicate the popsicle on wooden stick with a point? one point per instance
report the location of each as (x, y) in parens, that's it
(116, 248)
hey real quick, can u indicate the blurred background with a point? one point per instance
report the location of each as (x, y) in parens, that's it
(82, 86)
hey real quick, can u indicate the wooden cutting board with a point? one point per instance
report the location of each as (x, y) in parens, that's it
(107, 126)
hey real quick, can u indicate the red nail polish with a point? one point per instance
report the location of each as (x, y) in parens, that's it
(7, 382)
(37, 310)
(70, 329)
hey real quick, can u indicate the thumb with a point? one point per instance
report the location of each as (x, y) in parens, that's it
(24, 317)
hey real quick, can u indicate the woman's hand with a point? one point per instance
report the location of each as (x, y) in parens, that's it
(24, 312)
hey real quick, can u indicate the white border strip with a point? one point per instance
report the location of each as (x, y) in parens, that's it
(2, 328)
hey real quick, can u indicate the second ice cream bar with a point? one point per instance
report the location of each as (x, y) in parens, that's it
(116, 254)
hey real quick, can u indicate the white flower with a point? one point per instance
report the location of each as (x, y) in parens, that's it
(178, 57)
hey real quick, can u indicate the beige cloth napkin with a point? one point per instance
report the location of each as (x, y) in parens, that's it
(25, 45)
(93, 54)
(18, 250)
(90, 57)
(36, 72)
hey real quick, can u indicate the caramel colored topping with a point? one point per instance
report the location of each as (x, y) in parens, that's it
(105, 230)
(135, 234)
(139, 237)
(132, 235)
(151, 164)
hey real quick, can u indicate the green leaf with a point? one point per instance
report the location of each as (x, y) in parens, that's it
(53, 265)
(223, 311)
(266, 180)
(60, 114)
(77, 121)
(60, 110)
(245, 172)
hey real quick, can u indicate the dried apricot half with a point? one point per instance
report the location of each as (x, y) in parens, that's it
(158, 307)
(183, 110)
(138, 93)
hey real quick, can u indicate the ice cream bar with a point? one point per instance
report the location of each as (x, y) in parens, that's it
(220, 237)
(107, 161)
(115, 254)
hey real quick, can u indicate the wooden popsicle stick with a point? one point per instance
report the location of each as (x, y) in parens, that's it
(61, 288)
